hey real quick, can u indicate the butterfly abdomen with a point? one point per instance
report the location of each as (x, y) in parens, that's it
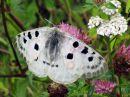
(53, 45)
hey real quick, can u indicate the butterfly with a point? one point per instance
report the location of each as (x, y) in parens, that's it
(58, 55)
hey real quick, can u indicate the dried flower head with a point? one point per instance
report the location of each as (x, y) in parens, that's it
(99, 1)
(104, 86)
(75, 32)
(122, 60)
(57, 90)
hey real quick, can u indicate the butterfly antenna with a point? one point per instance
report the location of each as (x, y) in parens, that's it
(50, 22)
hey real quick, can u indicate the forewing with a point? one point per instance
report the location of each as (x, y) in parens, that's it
(31, 44)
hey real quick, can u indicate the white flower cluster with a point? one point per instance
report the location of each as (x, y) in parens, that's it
(94, 22)
(109, 11)
(116, 3)
(116, 25)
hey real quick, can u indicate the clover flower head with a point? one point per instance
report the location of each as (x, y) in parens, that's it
(94, 22)
(104, 86)
(74, 31)
(122, 60)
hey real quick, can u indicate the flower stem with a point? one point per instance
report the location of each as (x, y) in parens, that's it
(7, 34)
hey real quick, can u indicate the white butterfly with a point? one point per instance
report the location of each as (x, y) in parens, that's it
(54, 53)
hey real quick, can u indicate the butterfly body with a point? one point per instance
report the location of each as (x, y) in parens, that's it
(54, 53)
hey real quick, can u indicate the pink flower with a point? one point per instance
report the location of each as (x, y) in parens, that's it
(124, 51)
(103, 86)
(75, 32)
(122, 60)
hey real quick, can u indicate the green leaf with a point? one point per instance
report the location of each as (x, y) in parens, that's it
(93, 32)
(127, 6)
(103, 16)
(90, 91)
(89, 4)
(95, 12)
(30, 77)
(30, 17)
(112, 44)
(79, 8)
(110, 6)
(3, 88)
(49, 4)
(60, 16)
(21, 88)
(81, 83)
(2, 41)
(78, 20)
(44, 94)
(16, 5)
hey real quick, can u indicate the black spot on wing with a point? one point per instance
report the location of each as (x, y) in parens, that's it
(24, 40)
(47, 63)
(36, 47)
(93, 67)
(85, 50)
(88, 67)
(70, 56)
(56, 65)
(24, 33)
(90, 59)
(29, 35)
(36, 33)
(75, 44)
(93, 53)
(44, 62)
(52, 65)
(19, 35)
(100, 58)
(36, 59)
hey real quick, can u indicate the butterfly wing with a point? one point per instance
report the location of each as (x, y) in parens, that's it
(94, 63)
(74, 60)
(67, 68)
(31, 44)
(59, 55)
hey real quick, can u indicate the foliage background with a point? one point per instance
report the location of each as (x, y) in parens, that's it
(22, 15)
